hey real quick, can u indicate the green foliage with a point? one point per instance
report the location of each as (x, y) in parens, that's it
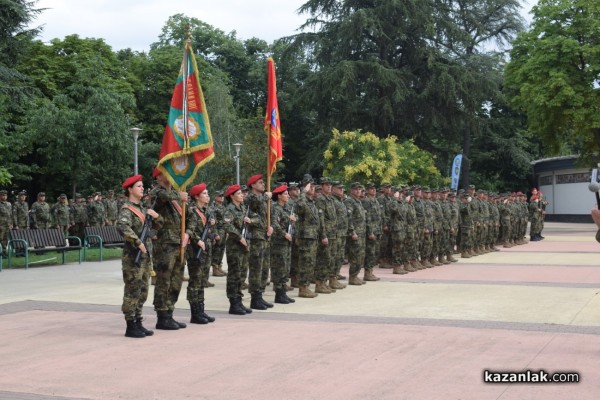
(362, 156)
(554, 75)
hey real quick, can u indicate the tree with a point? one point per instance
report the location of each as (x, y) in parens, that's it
(554, 75)
(362, 156)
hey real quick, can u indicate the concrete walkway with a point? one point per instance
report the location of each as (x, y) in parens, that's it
(426, 335)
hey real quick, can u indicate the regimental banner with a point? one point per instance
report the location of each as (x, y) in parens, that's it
(456, 171)
(272, 123)
(187, 142)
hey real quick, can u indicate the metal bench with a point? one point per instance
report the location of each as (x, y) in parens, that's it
(25, 241)
(101, 237)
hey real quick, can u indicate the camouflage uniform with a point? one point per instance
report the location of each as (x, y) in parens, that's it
(411, 243)
(80, 218)
(20, 211)
(309, 231)
(233, 223)
(374, 216)
(167, 263)
(6, 220)
(110, 206)
(198, 270)
(398, 228)
(40, 215)
(339, 246)
(280, 246)
(258, 257)
(326, 206)
(466, 227)
(96, 213)
(219, 229)
(357, 226)
(62, 216)
(136, 278)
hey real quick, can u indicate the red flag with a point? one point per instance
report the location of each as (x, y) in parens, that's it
(272, 123)
(187, 142)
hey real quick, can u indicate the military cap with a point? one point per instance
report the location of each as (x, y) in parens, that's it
(131, 181)
(416, 187)
(386, 185)
(253, 179)
(410, 193)
(40, 194)
(22, 193)
(293, 185)
(197, 189)
(219, 193)
(370, 185)
(78, 196)
(244, 188)
(471, 186)
(280, 189)
(306, 179)
(232, 189)
(62, 196)
(3, 192)
(90, 196)
(111, 191)
(338, 184)
(426, 189)
(356, 185)
(325, 181)
(317, 187)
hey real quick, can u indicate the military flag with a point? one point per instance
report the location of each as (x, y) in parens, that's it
(272, 123)
(187, 142)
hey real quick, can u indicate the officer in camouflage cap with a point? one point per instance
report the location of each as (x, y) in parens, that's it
(40, 213)
(326, 206)
(357, 232)
(20, 211)
(374, 227)
(6, 218)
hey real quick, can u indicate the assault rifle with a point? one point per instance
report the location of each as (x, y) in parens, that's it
(144, 235)
(245, 226)
(205, 232)
(290, 229)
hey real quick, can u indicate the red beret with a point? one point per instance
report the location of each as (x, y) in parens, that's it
(131, 180)
(254, 179)
(196, 190)
(280, 189)
(232, 189)
(156, 172)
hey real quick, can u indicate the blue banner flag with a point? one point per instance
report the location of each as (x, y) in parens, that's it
(456, 171)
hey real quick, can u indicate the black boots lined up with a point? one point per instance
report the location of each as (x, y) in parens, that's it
(135, 329)
(236, 307)
(198, 314)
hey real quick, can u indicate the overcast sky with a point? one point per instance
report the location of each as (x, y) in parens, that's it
(136, 24)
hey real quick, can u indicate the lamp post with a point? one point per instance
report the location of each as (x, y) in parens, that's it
(136, 133)
(237, 147)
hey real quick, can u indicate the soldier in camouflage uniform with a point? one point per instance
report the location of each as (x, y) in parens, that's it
(6, 218)
(259, 234)
(413, 234)
(20, 211)
(219, 246)
(62, 214)
(96, 211)
(79, 216)
(339, 246)
(326, 206)
(374, 216)
(168, 266)
(357, 231)
(454, 218)
(199, 268)
(308, 234)
(136, 277)
(110, 205)
(40, 213)
(466, 225)
(398, 228)
(427, 238)
(438, 227)
(294, 192)
(535, 217)
(282, 221)
(385, 252)
(234, 220)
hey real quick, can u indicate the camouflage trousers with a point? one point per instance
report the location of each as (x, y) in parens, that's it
(136, 280)
(280, 262)
(235, 253)
(465, 238)
(258, 259)
(386, 244)
(426, 246)
(451, 242)
(198, 271)
(4, 236)
(295, 257)
(307, 258)
(444, 239)
(436, 244)
(356, 254)
(337, 254)
(169, 275)
(325, 260)
(372, 249)
(398, 247)
(217, 253)
(411, 246)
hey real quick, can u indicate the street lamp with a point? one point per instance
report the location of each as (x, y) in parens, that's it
(237, 147)
(136, 133)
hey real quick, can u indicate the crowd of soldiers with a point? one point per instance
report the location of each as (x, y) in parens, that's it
(72, 216)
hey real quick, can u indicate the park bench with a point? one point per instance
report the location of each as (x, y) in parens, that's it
(101, 237)
(25, 241)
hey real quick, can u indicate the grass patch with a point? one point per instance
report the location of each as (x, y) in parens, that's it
(52, 257)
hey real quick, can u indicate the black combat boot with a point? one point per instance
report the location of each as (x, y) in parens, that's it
(235, 308)
(280, 296)
(266, 303)
(138, 322)
(165, 321)
(256, 302)
(180, 324)
(201, 307)
(197, 316)
(247, 309)
(133, 330)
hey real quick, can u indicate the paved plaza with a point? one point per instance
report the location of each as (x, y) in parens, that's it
(430, 334)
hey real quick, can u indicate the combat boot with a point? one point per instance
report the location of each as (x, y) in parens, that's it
(208, 317)
(165, 321)
(385, 264)
(294, 281)
(335, 284)
(369, 276)
(217, 271)
(425, 263)
(322, 288)
(465, 254)
(326, 283)
(410, 266)
(138, 322)
(433, 261)
(181, 324)
(450, 258)
(341, 277)
(133, 330)
(255, 303)
(443, 259)
(399, 270)
(266, 303)
(355, 280)
(280, 297)
(197, 317)
(304, 291)
(418, 265)
(235, 307)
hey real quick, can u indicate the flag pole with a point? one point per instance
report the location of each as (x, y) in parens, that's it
(185, 136)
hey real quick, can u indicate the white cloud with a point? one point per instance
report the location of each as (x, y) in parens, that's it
(137, 23)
